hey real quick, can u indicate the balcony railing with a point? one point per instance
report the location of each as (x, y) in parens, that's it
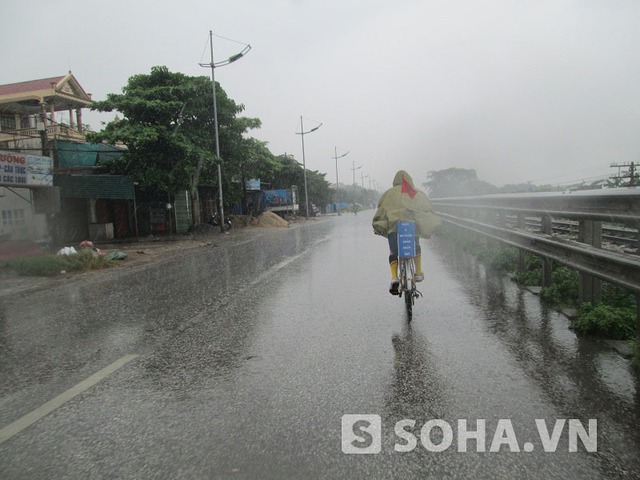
(58, 131)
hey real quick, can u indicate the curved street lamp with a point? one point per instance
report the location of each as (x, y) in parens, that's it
(354, 182)
(338, 183)
(302, 133)
(213, 65)
(354, 174)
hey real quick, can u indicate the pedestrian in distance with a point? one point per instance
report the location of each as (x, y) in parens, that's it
(403, 202)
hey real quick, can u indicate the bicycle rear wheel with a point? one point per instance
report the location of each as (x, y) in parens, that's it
(408, 302)
(406, 284)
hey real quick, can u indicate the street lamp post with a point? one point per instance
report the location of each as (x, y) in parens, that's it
(354, 182)
(362, 177)
(304, 163)
(337, 182)
(354, 174)
(213, 66)
(365, 194)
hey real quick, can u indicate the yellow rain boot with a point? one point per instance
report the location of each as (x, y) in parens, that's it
(419, 272)
(393, 266)
(395, 282)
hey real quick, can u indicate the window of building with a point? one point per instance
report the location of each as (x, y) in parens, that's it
(18, 217)
(7, 218)
(13, 217)
(7, 122)
(26, 121)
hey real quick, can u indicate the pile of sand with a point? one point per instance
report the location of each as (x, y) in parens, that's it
(241, 220)
(271, 220)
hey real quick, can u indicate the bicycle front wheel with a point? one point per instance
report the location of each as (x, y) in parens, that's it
(408, 302)
(406, 285)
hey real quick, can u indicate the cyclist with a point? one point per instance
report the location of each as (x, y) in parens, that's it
(404, 202)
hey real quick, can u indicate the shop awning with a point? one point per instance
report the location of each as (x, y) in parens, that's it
(72, 154)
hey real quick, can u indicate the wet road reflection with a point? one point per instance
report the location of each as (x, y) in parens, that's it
(251, 353)
(580, 376)
(416, 389)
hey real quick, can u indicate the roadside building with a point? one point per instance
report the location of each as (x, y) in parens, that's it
(51, 189)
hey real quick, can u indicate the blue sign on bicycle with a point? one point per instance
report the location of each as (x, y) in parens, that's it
(406, 239)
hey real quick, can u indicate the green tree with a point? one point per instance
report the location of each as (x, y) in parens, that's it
(319, 192)
(287, 172)
(456, 182)
(168, 129)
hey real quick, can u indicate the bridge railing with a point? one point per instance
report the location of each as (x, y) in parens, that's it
(487, 216)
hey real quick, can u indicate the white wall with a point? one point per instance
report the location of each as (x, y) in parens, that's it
(17, 217)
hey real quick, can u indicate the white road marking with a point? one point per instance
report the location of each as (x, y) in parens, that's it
(30, 418)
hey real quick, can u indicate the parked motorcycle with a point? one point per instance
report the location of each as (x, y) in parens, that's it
(214, 221)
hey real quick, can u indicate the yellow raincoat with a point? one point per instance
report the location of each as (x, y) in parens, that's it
(397, 205)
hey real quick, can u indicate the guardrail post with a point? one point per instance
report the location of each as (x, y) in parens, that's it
(522, 255)
(590, 289)
(497, 219)
(547, 264)
(638, 317)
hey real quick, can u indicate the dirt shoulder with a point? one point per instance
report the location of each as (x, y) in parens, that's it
(142, 252)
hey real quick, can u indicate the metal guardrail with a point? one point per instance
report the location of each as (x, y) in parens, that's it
(615, 205)
(621, 269)
(620, 236)
(486, 216)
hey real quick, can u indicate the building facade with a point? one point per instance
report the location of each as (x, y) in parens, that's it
(41, 129)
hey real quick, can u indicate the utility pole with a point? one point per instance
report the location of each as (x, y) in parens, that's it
(213, 65)
(630, 174)
(304, 163)
(353, 169)
(337, 181)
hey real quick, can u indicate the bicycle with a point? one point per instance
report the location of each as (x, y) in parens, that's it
(407, 265)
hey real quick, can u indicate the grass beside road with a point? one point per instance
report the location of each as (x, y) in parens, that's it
(613, 318)
(52, 265)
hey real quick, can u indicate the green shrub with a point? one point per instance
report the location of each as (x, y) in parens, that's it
(606, 321)
(503, 259)
(496, 256)
(614, 317)
(44, 266)
(564, 288)
(529, 277)
(93, 262)
(532, 273)
(635, 349)
(617, 296)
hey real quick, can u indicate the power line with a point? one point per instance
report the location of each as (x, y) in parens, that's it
(630, 174)
(230, 40)
(555, 177)
(584, 179)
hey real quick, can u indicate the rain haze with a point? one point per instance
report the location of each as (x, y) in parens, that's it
(540, 91)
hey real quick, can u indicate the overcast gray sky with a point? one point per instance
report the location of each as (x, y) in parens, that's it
(520, 90)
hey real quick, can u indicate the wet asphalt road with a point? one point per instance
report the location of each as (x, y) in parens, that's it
(251, 352)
